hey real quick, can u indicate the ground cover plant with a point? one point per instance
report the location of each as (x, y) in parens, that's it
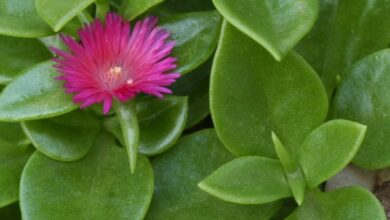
(196, 109)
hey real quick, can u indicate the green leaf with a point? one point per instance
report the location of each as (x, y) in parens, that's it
(252, 95)
(181, 168)
(12, 161)
(18, 18)
(11, 212)
(349, 203)
(17, 54)
(188, 5)
(102, 7)
(194, 33)
(363, 96)
(196, 86)
(13, 134)
(130, 9)
(248, 180)
(161, 122)
(277, 25)
(58, 12)
(35, 95)
(292, 169)
(66, 138)
(329, 148)
(358, 29)
(99, 186)
(127, 116)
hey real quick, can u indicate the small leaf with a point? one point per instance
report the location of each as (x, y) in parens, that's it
(12, 160)
(16, 54)
(277, 25)
(18, 18)
(252, 95)
(363, 96)
(99, 186)
(161, 122)
(35, 95)
(66, 138)
(349, 203)
(248, 180)
(329, 148)
(181, 168)
(58, 12)
(130, 9)
(194, 33)
(293, 171)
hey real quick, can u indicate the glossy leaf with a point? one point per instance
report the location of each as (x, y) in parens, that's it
(350, 203)
(58, 12)
(130, 9)
(195, 85)
(66, 138)
(194, 33)
(34, 95)
(248, 180)
(363, 96)
(252, 95)
(181, 168)
(292, 170)
(277, 25)
(13, 134)
(352, 36)
(99, 186)
(18, 18)
(161, 122)
(12, 160)
(336, 143)
(16, 54)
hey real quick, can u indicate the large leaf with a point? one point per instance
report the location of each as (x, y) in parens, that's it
(195, 33)
(18, 18)
(359, 29)
(34, 95)
(17, 54)
(132, 8)
(196, 86)
(13, 134)
(58, 12)
(335, 143)
(66, 138)
(99, 186)
(248, 180)
(161, 122)
(277, 25)
(181, 168)
(252, 95)
(12, 161)
(350, 203)
(363, 96)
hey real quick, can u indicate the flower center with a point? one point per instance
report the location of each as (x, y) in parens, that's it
(116, 77)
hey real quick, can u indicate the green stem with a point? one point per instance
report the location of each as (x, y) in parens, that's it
(127, 117)
(84, 17)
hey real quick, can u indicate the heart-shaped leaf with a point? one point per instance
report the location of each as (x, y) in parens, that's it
(194, 33)
(66, 138)
(130, 9)
(12, 160)
(181, 168)
(34, 95)
(99, 186)
(18, 18)
(252, 95)
(161, 122)
(329, 148)
(277, 25)
(58, 12)
(363, 97)
(248, 180)
(349, 203)
(17, 54)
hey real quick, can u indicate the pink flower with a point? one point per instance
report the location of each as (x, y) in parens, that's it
(113, 61)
